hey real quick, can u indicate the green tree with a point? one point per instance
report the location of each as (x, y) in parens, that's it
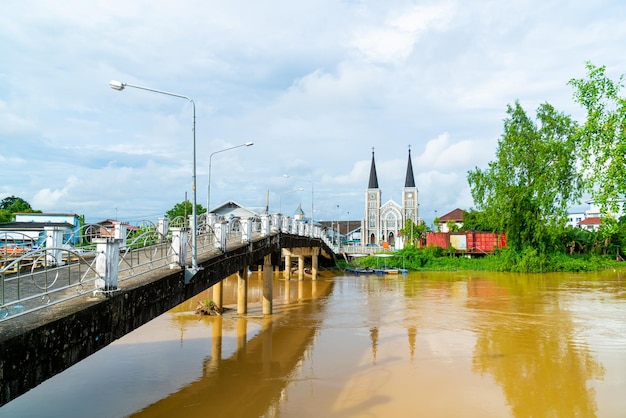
(413, 232)
(527, 190)
(474, 220)
(183, 210)
(602, 139)
(12, 204)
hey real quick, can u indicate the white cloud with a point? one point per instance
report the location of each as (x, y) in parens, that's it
(315, 85)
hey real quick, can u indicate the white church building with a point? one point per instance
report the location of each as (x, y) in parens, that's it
(383, 221)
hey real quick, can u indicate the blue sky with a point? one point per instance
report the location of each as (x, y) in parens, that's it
(314, 84)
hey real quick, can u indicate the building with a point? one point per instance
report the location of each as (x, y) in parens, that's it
(383, 221)
(454, 217)
(29, 229)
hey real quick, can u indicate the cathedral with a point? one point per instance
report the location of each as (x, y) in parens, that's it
(383, 222)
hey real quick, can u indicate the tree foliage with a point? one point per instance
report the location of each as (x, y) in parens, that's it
(602, 139)
(527, 190)
(412, 232)
(184, 209)
(13, 204)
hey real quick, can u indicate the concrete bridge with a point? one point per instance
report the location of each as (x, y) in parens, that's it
(37, 345)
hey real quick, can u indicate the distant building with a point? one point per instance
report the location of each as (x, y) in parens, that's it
(29, 228)
(456, 217)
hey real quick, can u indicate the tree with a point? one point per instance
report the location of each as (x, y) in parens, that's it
(527, 190)
(12, 204)
(413, 232)
(15, 204)
(183, 210)
(602, 139)
(474, 220)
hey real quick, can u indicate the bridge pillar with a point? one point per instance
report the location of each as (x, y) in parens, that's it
(300, 267)
(314, 262)
(276, 222)
(179, 247)
(287, 272)
(242, 291)
(218, 294)
(54, 239)
(107, 260)
(267, 285)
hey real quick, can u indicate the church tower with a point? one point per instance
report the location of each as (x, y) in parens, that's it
(410, 204)
(383, 222)
(373, 195)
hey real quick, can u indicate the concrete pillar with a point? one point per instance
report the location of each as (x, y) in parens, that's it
(246, 230)
(314, 262)
(218, 294)
(163, 229)
(119, 233)
(265, 225)
(287, 272)
(300, 267)
(276, 222)
(267, 285)
(107, 260)
(220, 235)
(242, 292)
(178, 247)
(54, 240)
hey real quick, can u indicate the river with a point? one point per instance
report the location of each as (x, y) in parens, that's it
(462, 344)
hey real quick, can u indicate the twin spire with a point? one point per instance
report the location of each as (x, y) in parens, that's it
(408, 182)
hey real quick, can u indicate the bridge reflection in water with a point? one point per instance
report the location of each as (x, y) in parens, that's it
(245, 383)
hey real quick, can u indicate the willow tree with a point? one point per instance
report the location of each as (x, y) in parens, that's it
(602, 140)
(527, 190)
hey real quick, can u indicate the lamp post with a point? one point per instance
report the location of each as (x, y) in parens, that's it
(280, 198)
(118, 85)
(308, 181)
(208, 196)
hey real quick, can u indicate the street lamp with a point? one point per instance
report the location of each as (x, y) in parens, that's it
(280, 198)
(118, 85)
(308, 181)
(208, 196)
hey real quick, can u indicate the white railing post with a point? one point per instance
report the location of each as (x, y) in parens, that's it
(179, 247)
(265, 225)
(54, 239)
(246, 230)
(163, 229)
(220, 235)
(120, 232)
(107, 261)
(276, 222)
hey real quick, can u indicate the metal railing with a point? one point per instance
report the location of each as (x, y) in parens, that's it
(39, 275)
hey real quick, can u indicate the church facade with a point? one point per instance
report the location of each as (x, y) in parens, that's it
(383, 221)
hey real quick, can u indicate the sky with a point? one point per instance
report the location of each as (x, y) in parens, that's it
(315, 85)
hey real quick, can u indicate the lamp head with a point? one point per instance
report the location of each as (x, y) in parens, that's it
(117, 85)
(249, 144)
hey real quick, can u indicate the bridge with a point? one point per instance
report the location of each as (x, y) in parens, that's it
(62, 303)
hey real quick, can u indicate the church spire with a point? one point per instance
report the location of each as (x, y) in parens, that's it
(373, 184)
(410, 180)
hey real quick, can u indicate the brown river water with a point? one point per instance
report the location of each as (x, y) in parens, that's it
(462, 344)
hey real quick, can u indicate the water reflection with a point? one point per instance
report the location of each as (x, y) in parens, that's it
(526, 342)
(247, 382)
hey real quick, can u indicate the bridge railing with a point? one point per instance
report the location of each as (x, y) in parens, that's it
(70, 265)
